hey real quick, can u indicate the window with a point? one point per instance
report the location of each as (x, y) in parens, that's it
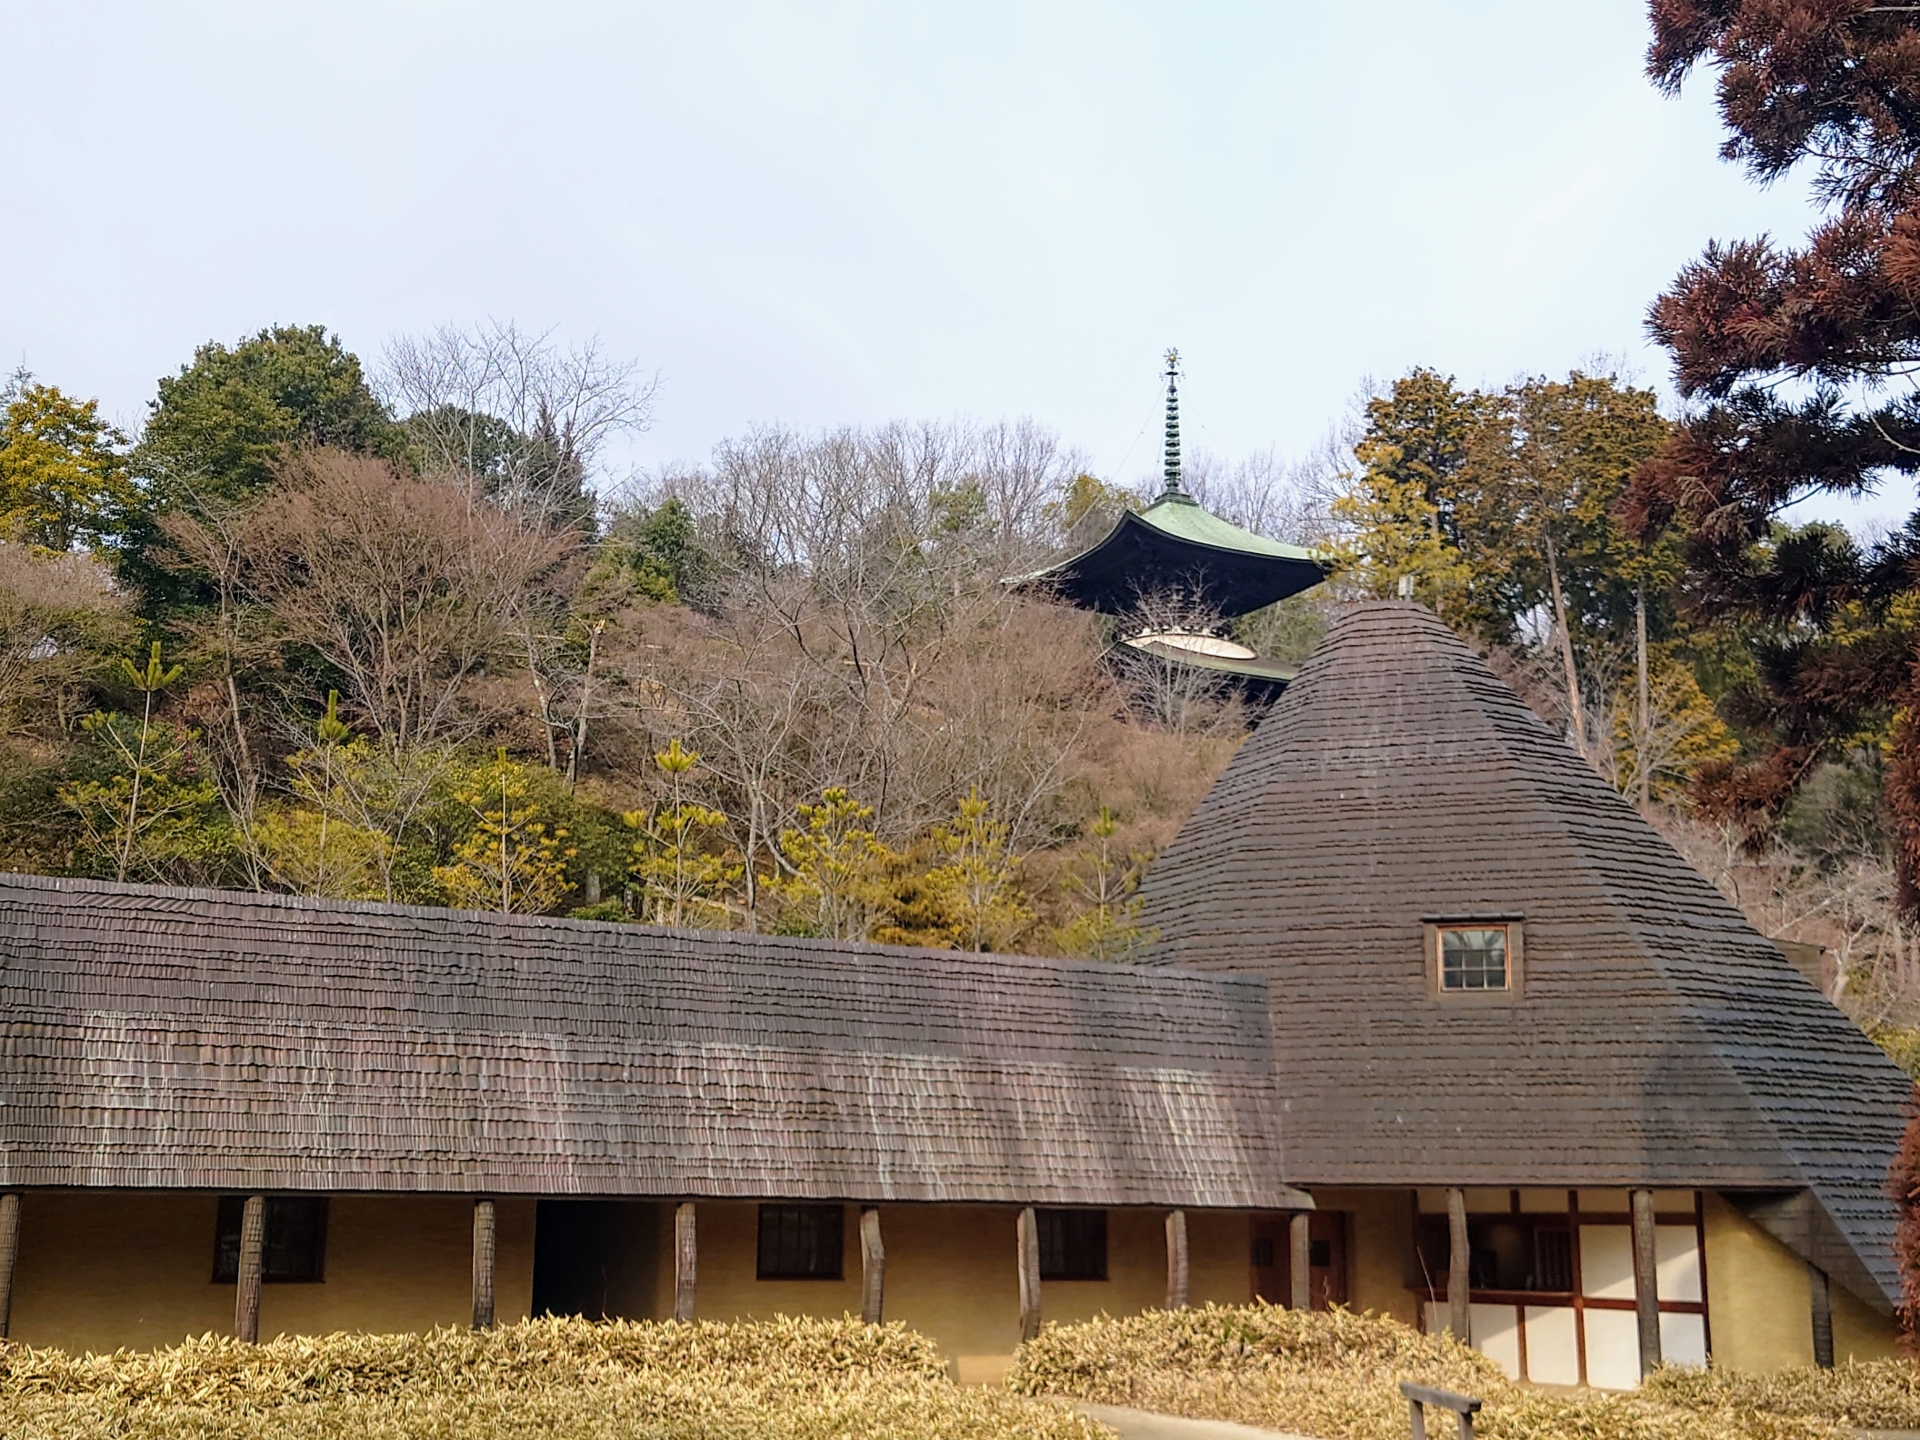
(1473, 959)
(800, 1242)
(1073, 1244)
(296, 1240)
(1530, 1254)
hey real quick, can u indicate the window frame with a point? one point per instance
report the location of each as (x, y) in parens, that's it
(228, 1218)
(820, 1212)
(1434, 926)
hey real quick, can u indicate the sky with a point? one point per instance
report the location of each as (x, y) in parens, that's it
(828, 214)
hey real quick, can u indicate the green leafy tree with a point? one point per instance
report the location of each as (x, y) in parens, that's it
(314, 846)
(658, 551)
(156, 813)
(63, 476)
(837, 870)
(219, 429)
(979, 875)
(681, 865)
(512, 861)
(1105, 882)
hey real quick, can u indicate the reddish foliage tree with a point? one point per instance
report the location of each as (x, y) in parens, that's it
(1797, 365)
(1903, 1184)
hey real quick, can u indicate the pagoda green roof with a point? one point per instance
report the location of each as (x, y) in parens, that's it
(1176, 546)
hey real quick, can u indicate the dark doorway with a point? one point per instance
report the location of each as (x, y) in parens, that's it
(597, 1258)
(1326, 1254)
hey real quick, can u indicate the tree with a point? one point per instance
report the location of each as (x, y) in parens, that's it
(63, 477)
(684, 871)
(512, 416)
(512, 861)
(1106, 883)
(219, 431)
(1797, 368)
(836, 884)
(978, 877)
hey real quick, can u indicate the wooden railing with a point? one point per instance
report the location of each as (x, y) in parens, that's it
(1421, 1396)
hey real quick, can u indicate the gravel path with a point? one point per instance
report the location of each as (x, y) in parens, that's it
(1146, 1425)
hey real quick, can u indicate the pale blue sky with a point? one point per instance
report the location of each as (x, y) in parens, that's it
(820, 214)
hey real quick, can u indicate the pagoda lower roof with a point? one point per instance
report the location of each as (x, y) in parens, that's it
(1175, 546)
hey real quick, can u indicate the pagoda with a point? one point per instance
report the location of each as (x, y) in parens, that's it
(1181, 574)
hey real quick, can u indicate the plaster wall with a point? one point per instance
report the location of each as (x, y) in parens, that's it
(1380, 1253)
(1758, 1301)
(100, 1270)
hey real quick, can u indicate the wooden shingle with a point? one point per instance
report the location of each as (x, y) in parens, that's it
(1657, 1040)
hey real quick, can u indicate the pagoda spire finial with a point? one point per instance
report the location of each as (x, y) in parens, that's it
(1173, 423)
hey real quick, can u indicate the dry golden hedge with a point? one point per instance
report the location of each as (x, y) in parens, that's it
(784, 1379)
(1336, 1375)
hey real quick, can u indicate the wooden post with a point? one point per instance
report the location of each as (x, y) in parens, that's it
(253, 1244)
(1459, 1276)
(686, 1260)
(1821, 1295)
(1027, 1233)
(1646, 1281)
(1300, 1261)
(1176, 1260)
(9, 1252)
(873, 1266)
(485, 1245)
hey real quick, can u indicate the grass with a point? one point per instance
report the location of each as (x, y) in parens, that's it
(1336, 1375)
(785, 1379)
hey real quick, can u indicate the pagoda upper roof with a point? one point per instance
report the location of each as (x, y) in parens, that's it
(1177, 546)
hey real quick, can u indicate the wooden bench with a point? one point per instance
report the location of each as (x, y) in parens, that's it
(1421, 1396)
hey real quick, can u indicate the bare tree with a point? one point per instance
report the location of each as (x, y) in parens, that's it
(511, 414)
(407, 591)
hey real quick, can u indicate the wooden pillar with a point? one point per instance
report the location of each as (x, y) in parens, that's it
(686, 1260)
(9, 1252)
(873, 1266)
(1646, 1281)
(1459, 1275)
(485, 1246)
(1176, 1260)
(1821, 1294)
(1300, 1261)
(1028, 1250)
(253, 1244)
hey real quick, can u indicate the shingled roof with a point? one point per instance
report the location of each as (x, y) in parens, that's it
(203, 1039)
(1658, 1039)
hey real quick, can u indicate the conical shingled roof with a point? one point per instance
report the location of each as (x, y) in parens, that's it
(1656, 1038)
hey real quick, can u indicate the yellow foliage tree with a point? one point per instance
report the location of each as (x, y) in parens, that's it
(63, 480)
(979, 877)
(1106, 883)
(836, 883)
(512, 861)
(683, 870)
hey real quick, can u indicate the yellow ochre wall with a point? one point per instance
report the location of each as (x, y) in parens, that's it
(951, 1273)
(102, 1270)
(1758, 1301)
(1380, 1253)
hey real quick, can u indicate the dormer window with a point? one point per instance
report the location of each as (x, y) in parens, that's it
(1473, 957)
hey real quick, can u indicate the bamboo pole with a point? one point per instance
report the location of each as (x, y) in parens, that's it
(485, 1247)
(1177, 1268)
(9, 1253)
(873, 1266)
(1646, 1281)
(1027, 1235)
(1459, 1275)
(253, 1244)
(686, 1261)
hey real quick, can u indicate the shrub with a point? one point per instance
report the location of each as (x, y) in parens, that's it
(785, 1379)
(1867, 1394)
(1336, 1375)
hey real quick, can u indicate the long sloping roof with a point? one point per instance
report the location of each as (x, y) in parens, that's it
(203, 1039)
(1657, 1040)
(1177, 544)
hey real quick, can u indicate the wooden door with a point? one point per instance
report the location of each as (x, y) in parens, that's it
(1327, 1252)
